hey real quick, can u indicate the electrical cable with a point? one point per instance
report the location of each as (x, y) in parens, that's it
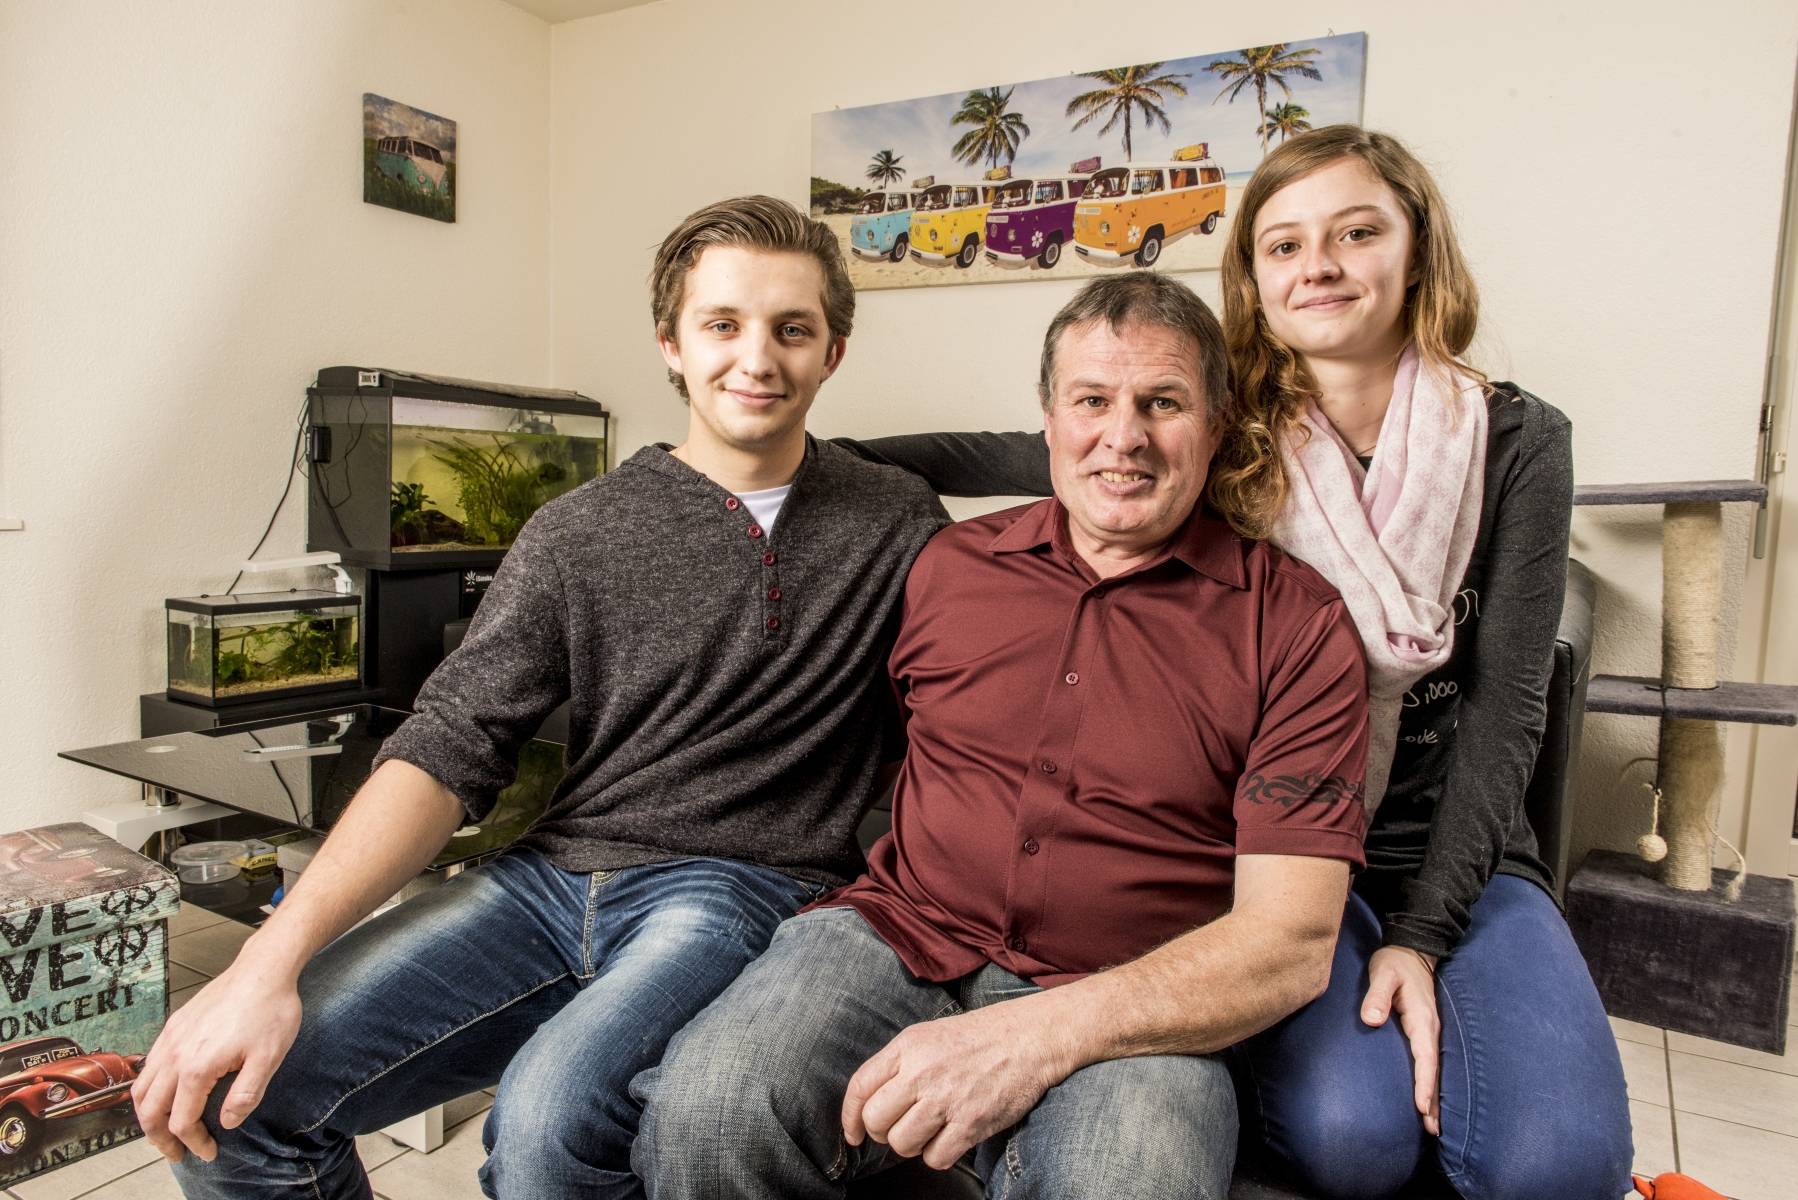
(322, 477)
(293, 468)
(280, 779)
(357, 425)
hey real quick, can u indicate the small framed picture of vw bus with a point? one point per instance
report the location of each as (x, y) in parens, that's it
(408, 158)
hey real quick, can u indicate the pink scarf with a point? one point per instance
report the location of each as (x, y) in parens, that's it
(1395, 539)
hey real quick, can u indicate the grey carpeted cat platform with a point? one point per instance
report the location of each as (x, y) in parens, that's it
(1687, 961)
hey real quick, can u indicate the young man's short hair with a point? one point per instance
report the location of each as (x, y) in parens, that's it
(754, 223)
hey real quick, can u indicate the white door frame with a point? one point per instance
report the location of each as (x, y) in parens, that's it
(1769, 617)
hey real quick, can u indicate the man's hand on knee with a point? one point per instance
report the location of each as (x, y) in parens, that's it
(243, 1021)
(944, 1086)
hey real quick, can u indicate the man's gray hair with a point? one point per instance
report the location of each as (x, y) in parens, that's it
(1146, 298)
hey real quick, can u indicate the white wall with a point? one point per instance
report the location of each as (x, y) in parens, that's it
(1619, 205)
(183, 244)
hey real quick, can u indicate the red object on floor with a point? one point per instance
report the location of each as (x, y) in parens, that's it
(1675, 1187)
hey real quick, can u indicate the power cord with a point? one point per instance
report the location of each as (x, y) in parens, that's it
(293, 469)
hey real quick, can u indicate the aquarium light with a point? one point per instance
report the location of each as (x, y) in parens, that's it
(323, 558)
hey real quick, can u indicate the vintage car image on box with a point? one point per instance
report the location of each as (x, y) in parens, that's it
(83, 991)
(50, 1079)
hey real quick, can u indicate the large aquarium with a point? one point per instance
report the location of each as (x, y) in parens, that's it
(225, 650)
(419, 472)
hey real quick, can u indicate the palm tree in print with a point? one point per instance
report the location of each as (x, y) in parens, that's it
(1286, 120)
(1260, 67)
(884, 168)
(996, 133)
(1127, 92)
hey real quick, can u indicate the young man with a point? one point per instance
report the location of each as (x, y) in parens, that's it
(1122, 835)
(717, 615)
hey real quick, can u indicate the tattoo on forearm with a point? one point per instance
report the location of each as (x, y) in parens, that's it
(1288, 790)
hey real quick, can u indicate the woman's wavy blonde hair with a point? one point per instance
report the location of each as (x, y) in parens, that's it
(1442, 311)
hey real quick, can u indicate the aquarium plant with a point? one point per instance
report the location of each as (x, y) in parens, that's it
(408, 500)
(276, 653)
(416, 525)
(498, 491)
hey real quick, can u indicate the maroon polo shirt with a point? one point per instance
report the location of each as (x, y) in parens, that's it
(1088, 757)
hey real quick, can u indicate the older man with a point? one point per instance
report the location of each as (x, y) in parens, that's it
(1128, 811)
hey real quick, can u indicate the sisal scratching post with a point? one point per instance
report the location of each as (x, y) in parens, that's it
(1691, 752)
(1691, 592)
(1691, 786)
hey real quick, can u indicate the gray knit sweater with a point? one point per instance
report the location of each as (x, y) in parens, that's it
(727, 687)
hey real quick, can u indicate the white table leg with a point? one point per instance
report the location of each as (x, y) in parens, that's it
(424, 1132)
(132, 824)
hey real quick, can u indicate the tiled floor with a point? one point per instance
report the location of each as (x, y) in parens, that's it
(1722, 1114)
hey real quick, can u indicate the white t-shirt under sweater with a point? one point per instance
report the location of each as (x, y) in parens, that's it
(764, 505)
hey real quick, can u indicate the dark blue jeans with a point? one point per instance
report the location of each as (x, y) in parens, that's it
(558, 987)
(1533, 1102)
(747, 1104)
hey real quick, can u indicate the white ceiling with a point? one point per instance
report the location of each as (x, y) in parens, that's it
(557, 11)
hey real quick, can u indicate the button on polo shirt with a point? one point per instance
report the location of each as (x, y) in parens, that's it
(1057, 830)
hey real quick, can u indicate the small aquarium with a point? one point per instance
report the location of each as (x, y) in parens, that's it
(420, 472)
(227, 650)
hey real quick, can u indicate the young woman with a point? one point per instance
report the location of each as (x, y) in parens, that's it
(1460, 1018)
(1439, 505)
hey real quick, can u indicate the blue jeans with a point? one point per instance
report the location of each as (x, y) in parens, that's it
(748, 1100)
(558, 987)
(1533, 1102)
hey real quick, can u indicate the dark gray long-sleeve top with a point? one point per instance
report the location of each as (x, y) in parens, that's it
(1453, 811)
(727, 692)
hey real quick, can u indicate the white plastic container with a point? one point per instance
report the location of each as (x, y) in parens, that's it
(207, 862)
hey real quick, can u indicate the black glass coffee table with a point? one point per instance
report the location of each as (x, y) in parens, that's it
(300, 772)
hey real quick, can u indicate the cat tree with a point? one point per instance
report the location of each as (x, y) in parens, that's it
(1670, 941)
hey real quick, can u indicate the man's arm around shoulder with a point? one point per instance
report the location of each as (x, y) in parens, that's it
(246, 1019)
(944, 1086)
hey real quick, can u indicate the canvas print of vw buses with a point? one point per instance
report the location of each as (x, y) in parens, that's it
(948, 222)
(882, 226)
(1033, 219)
(999, 183)
(1132, 212)
(408, 158)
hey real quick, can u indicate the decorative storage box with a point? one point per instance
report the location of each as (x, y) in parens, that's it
(262, 646)
(85, 973)
(414, 472)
